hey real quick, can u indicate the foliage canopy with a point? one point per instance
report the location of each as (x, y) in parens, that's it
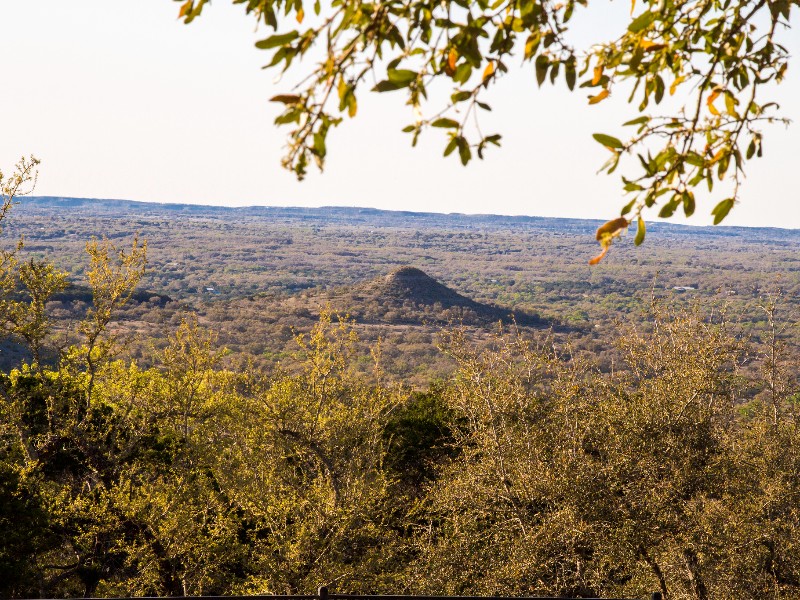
(693, 71)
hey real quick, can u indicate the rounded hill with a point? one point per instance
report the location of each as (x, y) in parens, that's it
(409, 295)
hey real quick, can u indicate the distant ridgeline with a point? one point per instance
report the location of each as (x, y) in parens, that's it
(356, 215)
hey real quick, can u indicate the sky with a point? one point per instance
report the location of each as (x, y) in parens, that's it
(121, 100)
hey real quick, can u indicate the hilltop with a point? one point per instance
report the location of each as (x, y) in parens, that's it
(409, 295)
(406, 309)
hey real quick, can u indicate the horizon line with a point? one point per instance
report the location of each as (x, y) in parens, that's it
(659, 223)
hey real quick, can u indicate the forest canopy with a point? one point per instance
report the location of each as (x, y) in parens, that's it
(696, 74)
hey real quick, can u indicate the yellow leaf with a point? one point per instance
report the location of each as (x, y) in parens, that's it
(606, 234)
(488, 71)
(599, 98)
(599, 257)
(452, 58)
(300, 15)
(675, 84)
(651, 46)
(610, 229)
(720, 153)
(710, 102)
(598, 74)
(633, 5)
(185, 9)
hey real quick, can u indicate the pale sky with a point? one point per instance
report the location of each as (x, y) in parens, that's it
(121, 100)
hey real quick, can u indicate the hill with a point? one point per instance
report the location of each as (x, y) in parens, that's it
(409, 295)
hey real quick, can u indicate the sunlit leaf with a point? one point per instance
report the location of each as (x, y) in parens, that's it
(599, 97)
(675, 84)
(452, 57)
(488, 71)
(641, 230)
(187, 6)
(710, 102)
(597, 73)
(650, 46)
(606, 234)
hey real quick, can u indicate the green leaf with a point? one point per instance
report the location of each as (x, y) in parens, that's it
(290, 116)
(286, 98)
(319, 144)
(659, 89)
(632, 186)
(641, 22)
(277, 40)
(571, 75)
(463, 73)
(463, 150)
(443, 122)
(607, 140)
(641, 230)
(402, 77)
(751, 150)
(722, 209)
(730, 104)
(669, 208)
(694, 159)
(542, 64)
(554, 71)
(386, 86)
(636, 121)
(628, 207)
(688, 203)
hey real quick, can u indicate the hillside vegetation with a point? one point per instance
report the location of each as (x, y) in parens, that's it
(620, 438)
(255, 275)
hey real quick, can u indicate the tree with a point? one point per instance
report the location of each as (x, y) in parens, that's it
(657, 477)
(303, 457)
(712, 56)
(183, 478)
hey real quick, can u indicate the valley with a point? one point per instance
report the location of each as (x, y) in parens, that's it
(258, 276)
